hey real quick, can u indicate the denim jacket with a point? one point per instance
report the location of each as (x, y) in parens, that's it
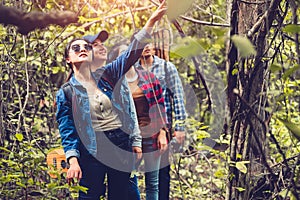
(74, 120)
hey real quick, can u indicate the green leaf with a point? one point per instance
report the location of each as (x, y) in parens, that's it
(286, 193)
(202, 134)
(294, 128)
(78, 188)
(240, 189)
(19, 136)
(238, 155)
(176, 8)
(290, 71)
(283, 193)
(292, 28)
(187, 47)
(21, 184)
(275, 67)
(4, 149)
(244, 45)
(55, 70)
(219, 173)
(30, 181)
(6, 77)
(242, 166)
(235, 71)
(51, 185)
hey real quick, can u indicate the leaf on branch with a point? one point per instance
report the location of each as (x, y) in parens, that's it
(187, 47)
(240, 189)
(176, 8)
(244, 46)
(20, 184)
(290, 71)
(292, 127)
(292, 28)
(275, 68)
(235, 71)
(78, 188)
(241, 166)
(19, 136)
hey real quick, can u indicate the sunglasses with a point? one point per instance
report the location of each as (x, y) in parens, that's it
(77, 48)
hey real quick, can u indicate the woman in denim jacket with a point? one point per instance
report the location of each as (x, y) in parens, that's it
(90, 124)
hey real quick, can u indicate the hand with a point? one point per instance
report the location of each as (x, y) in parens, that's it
(180, 136)
(162, 140)
(159, 12)
(138, 151)
(74, 171)
(156, 15)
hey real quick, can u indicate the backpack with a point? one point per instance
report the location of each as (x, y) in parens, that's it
(56, 158)
(68, 90)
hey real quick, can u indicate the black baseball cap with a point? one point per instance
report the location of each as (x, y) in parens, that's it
(102, 35)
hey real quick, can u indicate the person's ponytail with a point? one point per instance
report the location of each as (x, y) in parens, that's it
(70, 74)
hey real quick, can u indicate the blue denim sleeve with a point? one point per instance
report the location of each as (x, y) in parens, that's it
(122, 64)
(66, 126)
(135, 135)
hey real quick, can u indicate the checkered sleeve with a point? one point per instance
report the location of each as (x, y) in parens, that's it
(175, 86)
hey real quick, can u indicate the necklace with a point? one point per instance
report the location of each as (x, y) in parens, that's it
(130, 80)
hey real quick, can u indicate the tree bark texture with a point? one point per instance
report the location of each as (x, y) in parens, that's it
(247, 99)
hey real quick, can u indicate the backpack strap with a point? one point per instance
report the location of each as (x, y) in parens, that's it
(167, 75)
(68, 90)
(166, 70)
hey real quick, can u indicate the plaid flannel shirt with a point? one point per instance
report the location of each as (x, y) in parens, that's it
(154, 94)
(173, 94)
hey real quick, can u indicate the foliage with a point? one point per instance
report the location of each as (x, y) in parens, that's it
(266, 111)
(175, 8)
(32, 69)
(243, 45)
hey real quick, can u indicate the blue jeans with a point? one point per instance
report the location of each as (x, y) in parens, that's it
(152, 162)
(164, 177)
(134, 192)
(93, 174)
(94, 170)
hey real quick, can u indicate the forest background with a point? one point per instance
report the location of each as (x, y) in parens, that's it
(238, 60)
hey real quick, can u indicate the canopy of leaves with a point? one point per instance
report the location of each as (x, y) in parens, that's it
(33, 37)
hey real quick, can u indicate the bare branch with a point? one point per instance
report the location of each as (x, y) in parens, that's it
(256, 26)
(22, 107)
(106, 18)
(27, 22)
(266, 16)
(295, 7)
(204, 22)
(210, 14)
(255, 3)
(198, 21)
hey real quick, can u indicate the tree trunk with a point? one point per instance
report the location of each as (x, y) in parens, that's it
(247, 100)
